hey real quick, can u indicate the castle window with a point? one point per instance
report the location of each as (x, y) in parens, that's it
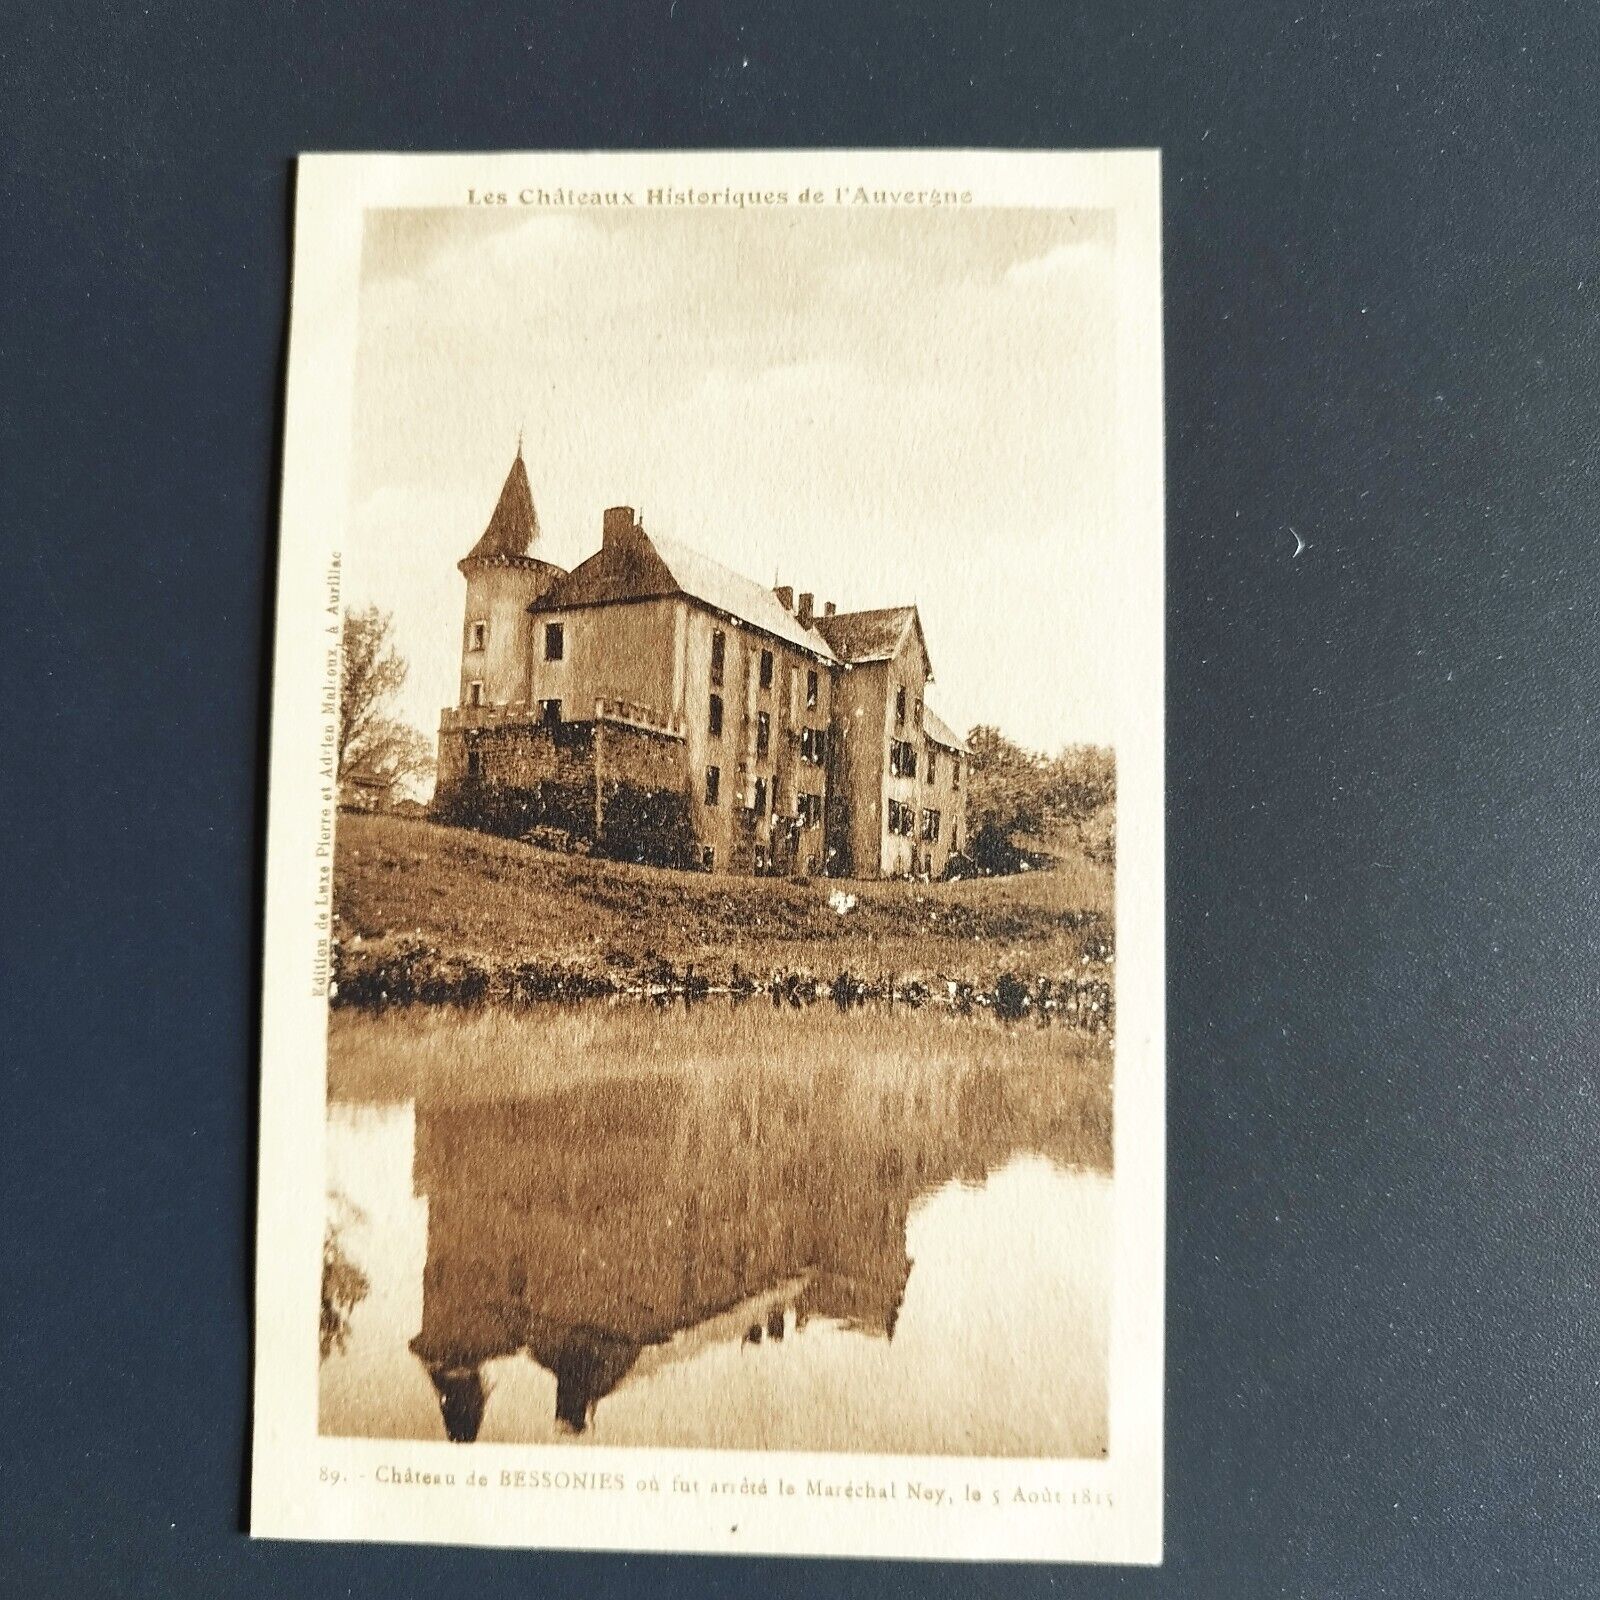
(766, 669)
(480, 635)
(549, 712)
(763, 734)
(719, 655)
(715, 722)
(900, 706)
(475, 693)
(474, 763)
(811, 691)
(713, 784)
(555, 641)
(761, 797)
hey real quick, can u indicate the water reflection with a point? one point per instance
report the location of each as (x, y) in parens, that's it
(633, 1200)
(344, 1284)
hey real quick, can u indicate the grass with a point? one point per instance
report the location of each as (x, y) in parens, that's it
(474, 898)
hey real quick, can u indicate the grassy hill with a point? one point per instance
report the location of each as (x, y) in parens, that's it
(432, 898)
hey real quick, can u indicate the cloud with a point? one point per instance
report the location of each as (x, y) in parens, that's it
(885, 407)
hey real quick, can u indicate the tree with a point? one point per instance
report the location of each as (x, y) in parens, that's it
(344, 1284)
(1017, 796)
(1008, 784)
(377, 754)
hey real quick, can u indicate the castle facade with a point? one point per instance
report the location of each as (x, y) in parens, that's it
(660, 706)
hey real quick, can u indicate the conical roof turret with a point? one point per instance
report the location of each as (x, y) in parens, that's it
(514, 527)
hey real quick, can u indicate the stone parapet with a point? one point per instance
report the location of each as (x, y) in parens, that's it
(627, 713)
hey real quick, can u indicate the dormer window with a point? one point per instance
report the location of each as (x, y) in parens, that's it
(478, 636)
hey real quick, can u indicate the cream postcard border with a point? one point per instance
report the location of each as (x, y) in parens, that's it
(308, 1487)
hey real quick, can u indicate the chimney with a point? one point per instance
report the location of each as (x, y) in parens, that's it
(785, 596)
(807, 603)
(617, 526)
(829, 609)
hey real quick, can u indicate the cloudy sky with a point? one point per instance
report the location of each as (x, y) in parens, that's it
(879, 406)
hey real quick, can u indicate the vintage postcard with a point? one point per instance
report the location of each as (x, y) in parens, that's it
(713, 1071)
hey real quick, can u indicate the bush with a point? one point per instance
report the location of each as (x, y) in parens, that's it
(1018, 791)
(991, 853)
(652, 826)
(638, 824)
(515, 812)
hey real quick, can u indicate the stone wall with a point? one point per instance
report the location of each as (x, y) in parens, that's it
(614, 787)
(642, 756)
(520, 754)
(642, 807)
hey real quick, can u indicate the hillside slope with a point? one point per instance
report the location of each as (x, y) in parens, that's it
(403, 883)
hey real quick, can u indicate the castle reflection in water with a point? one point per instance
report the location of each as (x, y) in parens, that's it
(622, 1221)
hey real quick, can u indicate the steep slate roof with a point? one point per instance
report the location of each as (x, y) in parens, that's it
(646, 566)
(515, 524)
(867, 635)
(940, 731)
(861, 636)
(630, 569)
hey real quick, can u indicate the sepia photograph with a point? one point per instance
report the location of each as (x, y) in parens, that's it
(719, 861)
(750, 862)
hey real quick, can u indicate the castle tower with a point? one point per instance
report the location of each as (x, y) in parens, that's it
(504, 578)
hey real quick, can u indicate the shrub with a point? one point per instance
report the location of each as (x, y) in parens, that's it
(1018, 791)
(1011, 997)
(653, 826)
(515, 812)
(992, 853)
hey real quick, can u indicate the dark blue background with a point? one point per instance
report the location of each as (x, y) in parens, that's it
(1381, 275)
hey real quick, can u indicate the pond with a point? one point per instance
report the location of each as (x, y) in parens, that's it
(741, 1227)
